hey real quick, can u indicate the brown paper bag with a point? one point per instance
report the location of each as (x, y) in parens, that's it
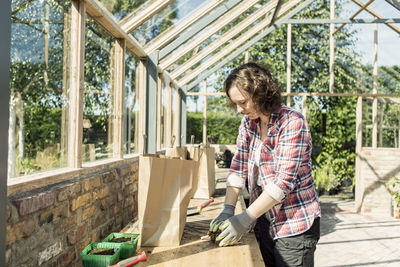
(165, 188)
(206, 180)
(179, 152)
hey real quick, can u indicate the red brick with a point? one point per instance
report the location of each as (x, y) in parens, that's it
(77, 234)
(31, 204)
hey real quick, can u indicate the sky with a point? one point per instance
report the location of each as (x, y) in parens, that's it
(388, 39)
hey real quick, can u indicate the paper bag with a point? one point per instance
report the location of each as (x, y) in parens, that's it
(179, 152)
(206, 180)
(165, 188)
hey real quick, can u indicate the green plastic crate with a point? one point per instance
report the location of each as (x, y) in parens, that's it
(100, 260)
(127, 249)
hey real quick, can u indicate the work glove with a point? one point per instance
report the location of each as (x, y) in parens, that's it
(234, 228)
(227, 212)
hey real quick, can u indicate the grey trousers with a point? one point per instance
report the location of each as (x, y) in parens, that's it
(288, 251)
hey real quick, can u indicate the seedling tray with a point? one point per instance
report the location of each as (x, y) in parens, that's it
(97, 260)
(127, 241)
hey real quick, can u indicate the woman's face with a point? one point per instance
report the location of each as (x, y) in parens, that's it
(243, 102)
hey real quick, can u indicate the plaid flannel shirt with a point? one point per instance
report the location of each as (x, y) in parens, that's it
(284, 170)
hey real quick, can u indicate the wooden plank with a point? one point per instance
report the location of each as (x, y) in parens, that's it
(174, 31)
(223, 39)
(394, 97)
(75, 132)
(118, 91)
(233, 45)
(177, 116)
(207, 33)
(137, 18)
(102, 16)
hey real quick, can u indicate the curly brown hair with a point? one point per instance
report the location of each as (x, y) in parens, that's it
(258, 83)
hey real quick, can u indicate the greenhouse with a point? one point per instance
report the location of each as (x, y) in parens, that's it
(114, 109)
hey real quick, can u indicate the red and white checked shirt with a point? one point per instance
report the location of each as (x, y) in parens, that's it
(283, 170)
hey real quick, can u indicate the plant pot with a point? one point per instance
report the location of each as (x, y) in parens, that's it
(128, 243)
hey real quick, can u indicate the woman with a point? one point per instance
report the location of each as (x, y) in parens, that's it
(274, 156)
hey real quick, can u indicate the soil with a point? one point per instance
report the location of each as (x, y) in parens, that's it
(121, 240)
(102, 251)
(213, 235)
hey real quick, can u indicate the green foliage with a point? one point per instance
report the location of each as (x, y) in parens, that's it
(394, 188)
(222, 127)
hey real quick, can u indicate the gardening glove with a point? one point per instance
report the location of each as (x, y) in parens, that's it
(234, 228)
(225, 214)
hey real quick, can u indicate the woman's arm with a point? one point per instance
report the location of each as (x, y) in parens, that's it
(261, 205)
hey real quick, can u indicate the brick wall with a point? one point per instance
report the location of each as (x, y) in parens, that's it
(377, 167)
(50, 226)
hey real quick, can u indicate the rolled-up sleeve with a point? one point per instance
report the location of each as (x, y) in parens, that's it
(238, 171)
(291, 151)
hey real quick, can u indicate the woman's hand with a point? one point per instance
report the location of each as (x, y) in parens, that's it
(226, 213)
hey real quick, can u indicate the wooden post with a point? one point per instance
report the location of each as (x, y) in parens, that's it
(380, 124)
(78, 15)
(331, 48)
(159, 111)
(304, 106)
(65, 89)
(246, 56)
(168, 119)
(119, 89)
(288, 63)
(140, 119)
(177, 116)
(205, 113)
(358, 183)
(375, 90)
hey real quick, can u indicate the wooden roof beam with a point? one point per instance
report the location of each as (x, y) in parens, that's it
(354, 15)
(173, 31)
(200, 25)
(211, 29)
(234, 44)
(226, 37)
(138, 17)
(247, 45)
(393, 27)
(277, 8)
(108, 21)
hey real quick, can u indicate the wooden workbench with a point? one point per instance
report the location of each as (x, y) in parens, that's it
(195, 252)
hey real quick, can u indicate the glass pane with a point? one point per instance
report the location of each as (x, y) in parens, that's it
(97, 106)
(38, 86)
(171, 15)
(121, 9)
(132, 108)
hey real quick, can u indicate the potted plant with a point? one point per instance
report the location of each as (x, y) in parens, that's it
(394, 188)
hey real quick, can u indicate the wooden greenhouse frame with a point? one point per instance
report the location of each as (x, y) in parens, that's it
(155, 59)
